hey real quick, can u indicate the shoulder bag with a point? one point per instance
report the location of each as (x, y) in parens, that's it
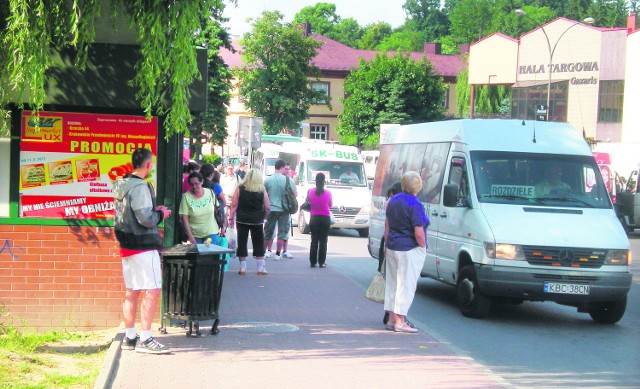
(218, 211)
(292, 202)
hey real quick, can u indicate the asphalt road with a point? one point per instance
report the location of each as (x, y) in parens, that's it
(529, 345)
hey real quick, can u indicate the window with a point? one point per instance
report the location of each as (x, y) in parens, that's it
(458, 177)
(445, 101)
(319, 131)
(610, 101)
(525, 99)
(321, 87)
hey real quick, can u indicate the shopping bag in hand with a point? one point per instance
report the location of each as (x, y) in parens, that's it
(224, 242)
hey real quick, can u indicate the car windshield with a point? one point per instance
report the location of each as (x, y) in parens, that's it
(538, 180)
(338, 173)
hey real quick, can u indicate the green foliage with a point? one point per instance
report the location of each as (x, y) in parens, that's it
(347, 32)
(609, 13)
(427, 17)
(389, 90)
(463, 92)
(213, 159)
(489, 99)
(470, 21)
(211, 125)
(406, 40)
(32, 30)
(322, 17)
(274, 78)
(374, 34)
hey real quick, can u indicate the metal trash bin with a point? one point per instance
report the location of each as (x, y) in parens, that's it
(192, 278)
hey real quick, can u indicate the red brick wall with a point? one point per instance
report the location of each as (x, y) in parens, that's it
(55, 277)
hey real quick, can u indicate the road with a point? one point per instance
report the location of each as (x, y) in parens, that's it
(529, 345)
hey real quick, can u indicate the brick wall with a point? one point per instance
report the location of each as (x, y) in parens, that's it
(61, 277)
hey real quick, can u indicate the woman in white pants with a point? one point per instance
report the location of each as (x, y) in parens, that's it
(405, 237)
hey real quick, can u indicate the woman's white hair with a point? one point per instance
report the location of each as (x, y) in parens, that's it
(411, 182)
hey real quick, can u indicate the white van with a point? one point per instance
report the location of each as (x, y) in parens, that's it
(351, 197)
(265, 157)
(370, 158)
(502, 225)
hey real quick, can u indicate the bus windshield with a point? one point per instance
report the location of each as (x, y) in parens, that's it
(538, 179)
(338, 173)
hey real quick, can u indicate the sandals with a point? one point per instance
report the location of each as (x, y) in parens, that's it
(405, 328)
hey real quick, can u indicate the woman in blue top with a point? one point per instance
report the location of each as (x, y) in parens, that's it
(405, 237)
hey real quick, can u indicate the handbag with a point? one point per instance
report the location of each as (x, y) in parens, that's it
(218, 211)
(306, 206)
(375, 291)
(292, 202)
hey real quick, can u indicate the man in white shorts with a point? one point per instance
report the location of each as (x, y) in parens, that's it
(135, 225)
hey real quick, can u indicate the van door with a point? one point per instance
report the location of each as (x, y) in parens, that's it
(451, 229)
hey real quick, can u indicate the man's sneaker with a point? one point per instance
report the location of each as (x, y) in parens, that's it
(287, 255)
(151, 346)
(128, 344)
(276, 257)
(268, 254)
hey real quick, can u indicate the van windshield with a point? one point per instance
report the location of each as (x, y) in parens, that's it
(538, 179)
(338, 173)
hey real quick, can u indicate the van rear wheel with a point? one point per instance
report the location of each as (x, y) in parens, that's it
(471, 301)
(609, 312)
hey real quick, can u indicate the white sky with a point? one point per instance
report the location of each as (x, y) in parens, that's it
(364, 11)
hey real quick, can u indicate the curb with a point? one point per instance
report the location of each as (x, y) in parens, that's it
(105, 378)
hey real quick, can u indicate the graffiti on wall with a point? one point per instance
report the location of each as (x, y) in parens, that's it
(10, 249)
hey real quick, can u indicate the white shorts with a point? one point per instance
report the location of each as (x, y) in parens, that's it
(142, 271)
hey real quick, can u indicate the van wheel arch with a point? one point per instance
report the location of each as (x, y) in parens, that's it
(470, 299)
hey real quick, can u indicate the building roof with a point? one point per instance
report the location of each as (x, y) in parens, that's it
(601, 29)
(335, 56)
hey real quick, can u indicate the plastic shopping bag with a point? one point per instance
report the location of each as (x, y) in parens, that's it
(230, 234)
(223, 242)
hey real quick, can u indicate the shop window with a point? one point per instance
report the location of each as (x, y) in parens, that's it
(321, 87)
(5, 163)
(445, 101)
(610, 100)
(525, 99)
(319, 131)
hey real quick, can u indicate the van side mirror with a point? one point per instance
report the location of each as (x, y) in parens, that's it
(451, 198)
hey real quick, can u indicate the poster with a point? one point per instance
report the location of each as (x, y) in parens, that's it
(69, 165)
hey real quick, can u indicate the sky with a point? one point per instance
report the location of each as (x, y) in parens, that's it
(364, 11)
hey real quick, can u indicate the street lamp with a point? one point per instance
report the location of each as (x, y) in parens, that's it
(520, 12)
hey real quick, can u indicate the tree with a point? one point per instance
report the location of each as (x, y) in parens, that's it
(427, 17)
(489, 99)
(347, 32)
(406, 40)
(609, 13)
(211, 125)
(274, 78)
(322, 17)
(374, 34)
(32, 32)
(389, 90)
(470, 20)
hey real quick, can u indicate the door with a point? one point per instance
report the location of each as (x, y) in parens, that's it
(451, 235)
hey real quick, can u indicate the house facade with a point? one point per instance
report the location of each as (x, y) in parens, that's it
(335, 61)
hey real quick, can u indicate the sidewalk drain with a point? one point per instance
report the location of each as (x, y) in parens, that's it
(259, 326)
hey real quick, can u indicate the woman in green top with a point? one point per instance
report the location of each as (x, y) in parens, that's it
(197, 212)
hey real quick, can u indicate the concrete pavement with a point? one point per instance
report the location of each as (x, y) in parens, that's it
(296, 327)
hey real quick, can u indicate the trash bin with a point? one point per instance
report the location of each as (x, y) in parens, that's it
(192, 278)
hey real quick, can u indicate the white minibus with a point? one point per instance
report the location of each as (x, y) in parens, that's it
(351, 195)
(265, 157)
(514, 214)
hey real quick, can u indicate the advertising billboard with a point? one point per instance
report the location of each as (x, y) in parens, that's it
(68, 163)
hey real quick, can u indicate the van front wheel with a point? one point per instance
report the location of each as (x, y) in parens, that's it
(609, 312)
(471, 301)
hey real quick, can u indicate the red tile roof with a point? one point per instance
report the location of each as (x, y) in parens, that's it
(334, 56)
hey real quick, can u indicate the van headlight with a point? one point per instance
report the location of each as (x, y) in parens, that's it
(504, 251)
(365, 210)
(618, 257)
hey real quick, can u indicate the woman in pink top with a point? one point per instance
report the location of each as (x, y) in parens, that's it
(321, 202)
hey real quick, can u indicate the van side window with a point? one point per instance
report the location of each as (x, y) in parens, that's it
(432, 172)
(458, 176)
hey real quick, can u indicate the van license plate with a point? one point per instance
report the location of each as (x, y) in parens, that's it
(554, 287)
(342, 221)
